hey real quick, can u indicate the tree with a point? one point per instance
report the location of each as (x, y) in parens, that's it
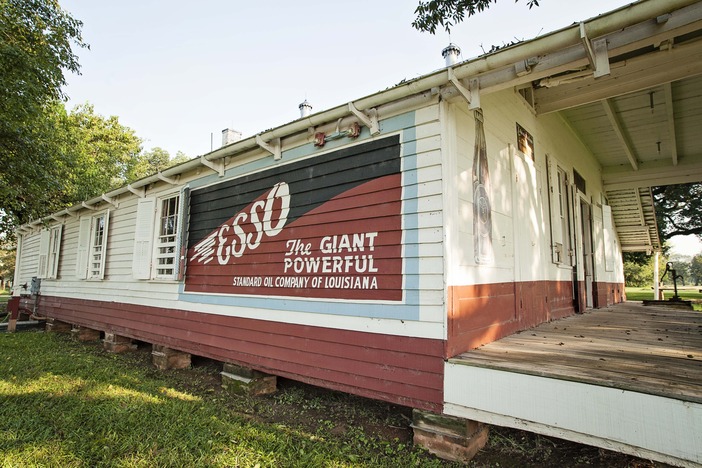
(7, 264)
(638, 274)
(153, 161)
(695, 270)
(104, 153)
(448, 13)
(678, 209)
(36, 41)
(76, 156)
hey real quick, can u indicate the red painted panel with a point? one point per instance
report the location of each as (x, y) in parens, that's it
(480, 314)
(347, 247)
(398, 369)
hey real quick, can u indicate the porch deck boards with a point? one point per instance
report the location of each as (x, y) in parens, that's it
(654, 350)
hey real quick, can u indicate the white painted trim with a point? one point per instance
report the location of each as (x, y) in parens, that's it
(648, 426)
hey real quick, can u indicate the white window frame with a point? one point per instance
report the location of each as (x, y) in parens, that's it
(560, 214)
(92, 257)
(149, 239)
(49, 252)
(165, 261)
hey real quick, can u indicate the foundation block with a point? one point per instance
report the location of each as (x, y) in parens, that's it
(84, 334)
(117, 343)
(244, 381)
(448, 437)
(166, 358)
(57, 326)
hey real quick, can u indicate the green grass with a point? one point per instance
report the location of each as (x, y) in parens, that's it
(70, 404)
(688, 293)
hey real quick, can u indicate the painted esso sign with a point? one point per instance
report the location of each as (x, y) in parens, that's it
(328, 227)
(258, 220)
(265, 217)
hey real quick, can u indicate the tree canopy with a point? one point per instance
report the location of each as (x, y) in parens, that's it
(448, 13)
(678, 209)
(36, 48)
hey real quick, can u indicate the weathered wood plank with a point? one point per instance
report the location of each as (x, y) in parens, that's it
(644, 349)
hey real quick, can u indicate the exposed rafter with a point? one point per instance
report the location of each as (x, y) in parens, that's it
(670, 110)
(596, 52)
(274, 147)
(217, 166)
(110, 200)
(369, 119)
(617, 127)
(168, 180)
(470, 94)
(654, 174)
(140, 192)
(640, 73)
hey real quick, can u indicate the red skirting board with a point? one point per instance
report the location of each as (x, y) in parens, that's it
(398, 369)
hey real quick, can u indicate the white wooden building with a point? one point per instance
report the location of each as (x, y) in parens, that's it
(365, 247)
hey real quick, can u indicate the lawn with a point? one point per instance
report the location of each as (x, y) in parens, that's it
(688, 293)
(70, 404)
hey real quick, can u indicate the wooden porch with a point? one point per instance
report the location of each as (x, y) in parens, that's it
(627, 377)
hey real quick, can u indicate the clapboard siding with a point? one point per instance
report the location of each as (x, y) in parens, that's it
(401, 370)
(422, 237)
(391, 359)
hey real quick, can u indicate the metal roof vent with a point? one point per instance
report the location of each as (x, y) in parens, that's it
(451, 53)
(230, 136)
(305, 109)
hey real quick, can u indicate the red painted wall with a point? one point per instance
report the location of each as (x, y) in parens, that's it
(480, 314)
(397, 369)
(609, 293)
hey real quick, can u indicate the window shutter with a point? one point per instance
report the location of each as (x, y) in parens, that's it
(83, 247)
(608, 229)
(103, 257)
(554, 211)
(143, 238)
(54, 247)
(182, 244)
(44, 237)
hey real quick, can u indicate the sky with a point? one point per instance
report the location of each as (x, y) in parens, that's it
(179, 72)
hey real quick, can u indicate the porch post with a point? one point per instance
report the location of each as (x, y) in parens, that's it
(656, 293)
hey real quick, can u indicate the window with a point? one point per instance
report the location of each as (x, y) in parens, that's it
(559, 204)
(49, 250)
(166, 238)
(92, 246)
(98, 240)
(157, 238)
